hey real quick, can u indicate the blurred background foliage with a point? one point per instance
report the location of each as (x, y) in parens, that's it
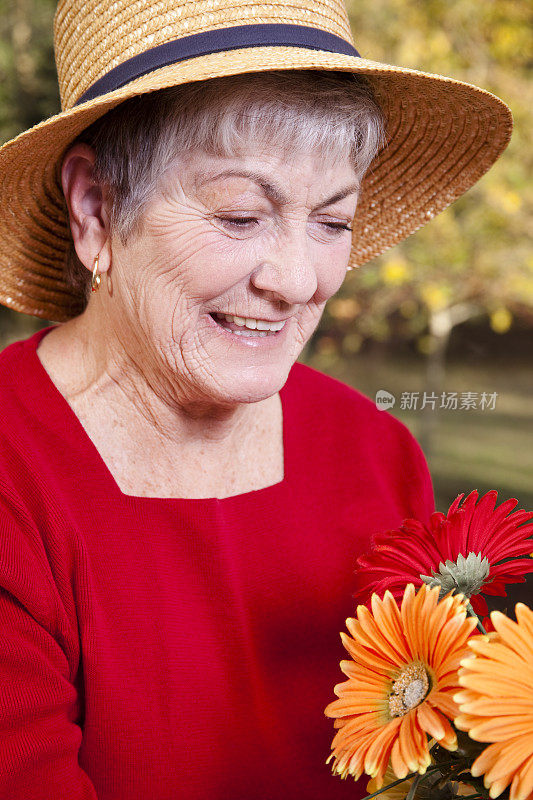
(448, 310)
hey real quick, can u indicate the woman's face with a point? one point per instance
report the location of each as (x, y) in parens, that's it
(258, 236)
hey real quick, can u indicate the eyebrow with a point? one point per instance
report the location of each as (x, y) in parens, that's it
(272, 191)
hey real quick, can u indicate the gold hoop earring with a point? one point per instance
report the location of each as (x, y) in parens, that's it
(95, 282)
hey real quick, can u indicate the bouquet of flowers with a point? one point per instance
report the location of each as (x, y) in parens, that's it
(434, 706)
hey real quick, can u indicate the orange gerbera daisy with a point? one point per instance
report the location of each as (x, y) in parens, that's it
(496, 704)
(400, 683)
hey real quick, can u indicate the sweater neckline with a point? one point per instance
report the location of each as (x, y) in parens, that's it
(62, 413)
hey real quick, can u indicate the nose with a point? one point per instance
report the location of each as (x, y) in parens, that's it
(287, 272)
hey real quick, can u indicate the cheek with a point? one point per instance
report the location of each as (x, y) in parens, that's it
(215, 267)
(331, 269)
(193, 259)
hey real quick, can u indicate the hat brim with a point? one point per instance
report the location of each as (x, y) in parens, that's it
(443, 135)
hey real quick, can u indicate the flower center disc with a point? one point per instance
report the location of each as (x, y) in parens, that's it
(409, 689)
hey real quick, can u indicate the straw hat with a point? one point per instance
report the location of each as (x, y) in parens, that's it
(443, 134)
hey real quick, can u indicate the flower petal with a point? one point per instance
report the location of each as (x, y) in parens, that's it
(522, 786)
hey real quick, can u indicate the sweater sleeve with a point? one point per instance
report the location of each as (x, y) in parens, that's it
(39, 706)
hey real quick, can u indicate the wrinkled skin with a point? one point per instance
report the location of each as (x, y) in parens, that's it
(146, 338)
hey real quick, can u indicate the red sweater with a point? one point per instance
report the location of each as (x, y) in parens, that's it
(156, 649)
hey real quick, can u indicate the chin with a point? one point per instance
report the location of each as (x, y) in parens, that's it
(251, 385)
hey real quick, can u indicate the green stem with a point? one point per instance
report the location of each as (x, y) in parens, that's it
(416, 775)
(412, 791)
(472, 613)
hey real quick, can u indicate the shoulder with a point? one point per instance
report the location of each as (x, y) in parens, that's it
(10, 356)
(321, 387)
(23, 400)
(19, 382)
(368, 444)
(17, 364)
(352, 410)
(13, 380)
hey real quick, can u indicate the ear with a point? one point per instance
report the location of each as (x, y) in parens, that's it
(88, 213)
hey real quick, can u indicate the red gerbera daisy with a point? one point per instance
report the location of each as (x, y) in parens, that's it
(474, 548)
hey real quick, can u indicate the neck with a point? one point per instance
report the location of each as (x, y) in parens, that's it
(121, 374)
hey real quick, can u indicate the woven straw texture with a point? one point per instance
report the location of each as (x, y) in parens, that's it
(443, 134)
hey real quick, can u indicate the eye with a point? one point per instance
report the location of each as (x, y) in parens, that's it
(337, 226)
(238, 222)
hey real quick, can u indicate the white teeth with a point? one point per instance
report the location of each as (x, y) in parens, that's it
(253, 324)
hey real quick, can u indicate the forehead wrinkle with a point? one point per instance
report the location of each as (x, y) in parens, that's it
(270, 190)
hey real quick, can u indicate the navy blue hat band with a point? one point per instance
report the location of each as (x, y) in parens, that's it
(215, 41)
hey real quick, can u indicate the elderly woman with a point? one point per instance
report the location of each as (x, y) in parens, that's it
(181, 501)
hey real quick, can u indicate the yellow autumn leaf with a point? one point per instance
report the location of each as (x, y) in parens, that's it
(435, 297)
(395, 271)
(500, 320)
(511, 202)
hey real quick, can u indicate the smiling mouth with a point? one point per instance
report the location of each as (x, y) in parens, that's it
(241, 330)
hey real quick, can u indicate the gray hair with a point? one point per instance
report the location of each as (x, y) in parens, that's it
(335, 113)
